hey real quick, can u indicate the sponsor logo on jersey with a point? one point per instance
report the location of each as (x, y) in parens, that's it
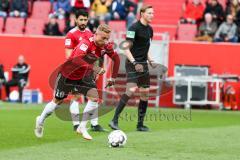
(91, 39)
(130, 34)
(84, 47)
(68, 42)
(80, 38)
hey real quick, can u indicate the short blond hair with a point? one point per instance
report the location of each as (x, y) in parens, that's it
(144, 8)
(104, 28)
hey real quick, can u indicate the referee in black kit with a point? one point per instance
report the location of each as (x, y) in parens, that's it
(139, 35)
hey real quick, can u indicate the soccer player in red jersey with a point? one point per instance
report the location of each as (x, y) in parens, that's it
(73, 38)
(78, 33)
(76, 76)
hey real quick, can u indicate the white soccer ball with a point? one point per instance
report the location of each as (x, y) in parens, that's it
(14, 96)
(117, 138)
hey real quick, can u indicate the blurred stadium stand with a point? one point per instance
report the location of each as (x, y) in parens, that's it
(41, 10)
(186, 32)
(14, 25)
(167, 14)
(34, 26)
(1, 24)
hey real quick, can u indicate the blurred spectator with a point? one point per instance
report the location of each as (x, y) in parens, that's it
(61, 8)
(93, 22)
(216, 9)
(238, 17)
(122, 10)
(193, 12)
(100, 7)
(207, 29)
(19, 8)
(2, 79)
(80, 4)
(70, 22)
(227, 32)
(232, 8)
(4, 5)
(52, 27)
(238, 23)
(20, 74)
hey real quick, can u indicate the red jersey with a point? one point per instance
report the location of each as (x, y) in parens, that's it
(80, 3)
(77, 3)
(75, 36)
(82, 59)
(194, 12)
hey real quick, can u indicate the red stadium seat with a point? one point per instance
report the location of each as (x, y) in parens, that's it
(187, 32)
(41, 10)
(170, 29)
(165, 21)
(118, 27)
(1, 24)
(14, 25)
(135, 1)
(34, 26)
(166, 12)
(163, 1)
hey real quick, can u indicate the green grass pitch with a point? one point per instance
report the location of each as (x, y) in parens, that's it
(176, 134)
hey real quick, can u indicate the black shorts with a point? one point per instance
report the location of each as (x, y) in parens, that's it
(142, 79)
(65, 86)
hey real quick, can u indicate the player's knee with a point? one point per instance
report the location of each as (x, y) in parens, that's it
(130, 91)
(93, 99)
(93, 95)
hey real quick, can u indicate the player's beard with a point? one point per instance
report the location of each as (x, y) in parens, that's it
(82, 27)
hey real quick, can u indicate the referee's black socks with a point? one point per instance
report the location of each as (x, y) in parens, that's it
(142, 109)
(122, 103)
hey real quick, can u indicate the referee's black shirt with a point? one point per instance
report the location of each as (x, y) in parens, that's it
(140, 35)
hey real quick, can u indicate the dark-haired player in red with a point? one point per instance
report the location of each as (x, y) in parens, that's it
(78, 33)
(76, 76)
(73, 38)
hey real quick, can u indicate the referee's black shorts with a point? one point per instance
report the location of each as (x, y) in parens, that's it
(142, 79)
(65, 86)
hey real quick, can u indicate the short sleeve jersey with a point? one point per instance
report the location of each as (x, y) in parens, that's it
(140, 36)
(75, 36)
